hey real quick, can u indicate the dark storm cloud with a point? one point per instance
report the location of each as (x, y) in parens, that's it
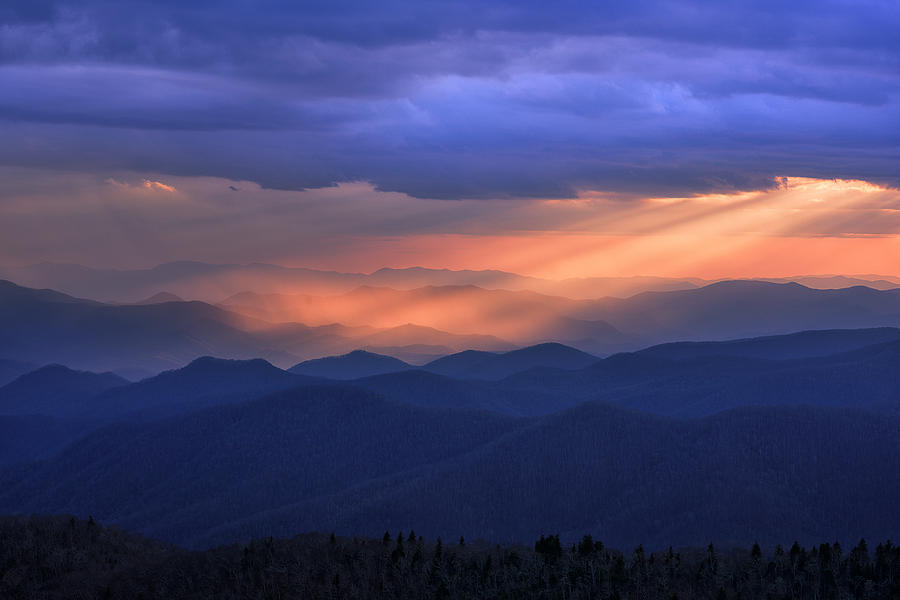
(457, 99)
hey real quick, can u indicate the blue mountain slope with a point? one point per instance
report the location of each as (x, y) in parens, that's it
(54, 390)
(423, 388)
(342, 459)
(205, 382)
(353, 365)
(472, 364)
(181, 477)
(74, 403)
(866, 378)
(803, 344)
(25, 438)
(48, 327)
(10, 369)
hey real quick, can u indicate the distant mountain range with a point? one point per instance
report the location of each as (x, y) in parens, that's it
(160, 298)
(670, 379)
(521, 317)
(469, 364)
(473, 364)
(736, 309)
(54, 390)
(223, 450)
(804, 344)
(865, 378)
(44, 326)
(213, 282)
(352, 365)
(719, 311)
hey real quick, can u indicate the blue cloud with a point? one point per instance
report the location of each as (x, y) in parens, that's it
(445, 99)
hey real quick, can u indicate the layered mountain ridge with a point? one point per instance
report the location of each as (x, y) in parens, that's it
(685, 442)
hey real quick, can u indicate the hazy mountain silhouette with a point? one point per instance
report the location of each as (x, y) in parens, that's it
(865, 378)
(43, 326)
(522, 317)
(48, 327)
(54, 327)
(213, 282)
(72, 404)
(161, 297)
(726, 310)
(472, 364)
(696, 382)
(414, 354)
(353, 365)
(410, 334)
(831, 282)
(205, 382)
(11, 369)
(740, 309)
(14, 296)
(54, 390)
(410, 343)
(468, 364)
(580, 287)
(342, 459)
(797, 345)
(461, 309)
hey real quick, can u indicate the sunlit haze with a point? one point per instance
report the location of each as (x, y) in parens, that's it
(798, 226)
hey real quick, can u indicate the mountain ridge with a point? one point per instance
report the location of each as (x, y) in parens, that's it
(353, 365)
(452, 472)
(54, 390)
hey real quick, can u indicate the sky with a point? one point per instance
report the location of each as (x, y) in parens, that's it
(693, 138)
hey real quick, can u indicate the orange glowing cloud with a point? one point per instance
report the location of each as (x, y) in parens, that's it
(158, 185)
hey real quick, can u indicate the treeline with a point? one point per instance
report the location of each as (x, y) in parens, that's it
(64, 557)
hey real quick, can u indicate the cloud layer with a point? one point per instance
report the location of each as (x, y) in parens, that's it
(457, 99)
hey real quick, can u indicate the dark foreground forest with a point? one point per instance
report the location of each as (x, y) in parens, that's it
(64, 557)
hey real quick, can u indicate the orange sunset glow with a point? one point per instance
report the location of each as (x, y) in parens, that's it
(804, 225)
(798, 226)
(579, 255)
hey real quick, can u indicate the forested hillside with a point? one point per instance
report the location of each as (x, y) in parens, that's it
(63, 557)
(345, 459)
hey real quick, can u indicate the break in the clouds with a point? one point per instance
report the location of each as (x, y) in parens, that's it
(457, 99)
(132, 219)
